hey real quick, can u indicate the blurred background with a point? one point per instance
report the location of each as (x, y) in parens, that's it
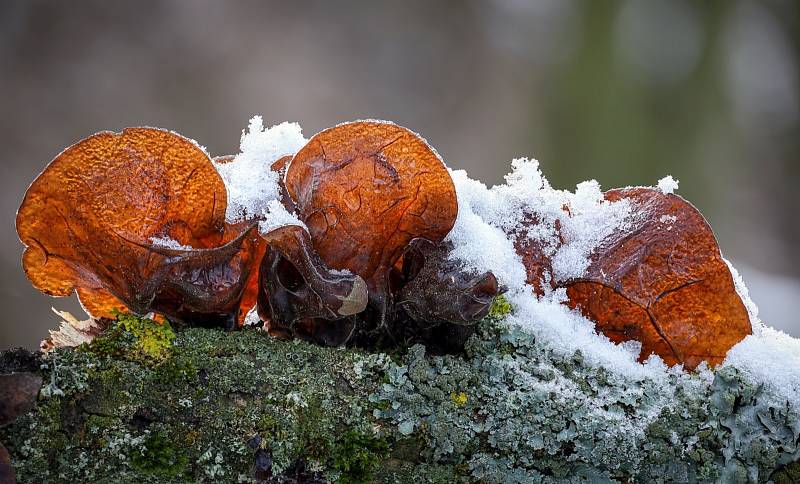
(625, 92)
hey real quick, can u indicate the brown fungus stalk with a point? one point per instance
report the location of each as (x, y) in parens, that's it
(664, 283)
(136, 220)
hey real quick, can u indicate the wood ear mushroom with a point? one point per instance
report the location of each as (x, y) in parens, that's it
(365, 190)
(660, 280)
(136, 221)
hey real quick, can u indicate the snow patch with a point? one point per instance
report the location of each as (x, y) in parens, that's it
(668, 184)
(770, 358)
(276, 216)
(252, 185)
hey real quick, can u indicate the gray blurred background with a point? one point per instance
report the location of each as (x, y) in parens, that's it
(621, 91)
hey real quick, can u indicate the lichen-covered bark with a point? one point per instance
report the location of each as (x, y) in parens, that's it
(146, 405)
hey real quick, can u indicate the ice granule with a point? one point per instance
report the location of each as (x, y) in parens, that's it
(668, 184)
(168, 243)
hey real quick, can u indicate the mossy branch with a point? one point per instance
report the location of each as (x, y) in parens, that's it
(146, 404)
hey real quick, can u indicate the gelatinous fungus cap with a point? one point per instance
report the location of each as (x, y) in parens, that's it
(137, 219)
(297, 289)
(437, 290)
(365, 189)
(663, 282)
(437, 301)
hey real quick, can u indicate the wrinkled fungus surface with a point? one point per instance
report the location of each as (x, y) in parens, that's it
(365, 190)
(663, 282)
(137, 220)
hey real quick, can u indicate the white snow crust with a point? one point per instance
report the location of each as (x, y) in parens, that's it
(253, 190)
(168, 243)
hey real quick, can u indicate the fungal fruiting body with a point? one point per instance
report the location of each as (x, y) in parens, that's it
(663, 282)
(136, 220)
(139, 221)
(366, 190)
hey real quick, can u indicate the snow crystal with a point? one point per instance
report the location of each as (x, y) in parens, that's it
(569, 226)
(744, 294)
(769, 357)
(591, 219)
(252, 185)
(566, 331)
(168, 243)
(480, 245)
(668, 184)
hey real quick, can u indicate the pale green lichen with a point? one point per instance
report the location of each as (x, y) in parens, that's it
(534, 416)
(205, 402)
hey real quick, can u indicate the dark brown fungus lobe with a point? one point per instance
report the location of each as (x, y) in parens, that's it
(297, 290)
(663, 282)
(437, 301)
(439, 291)
(365, 189)
(93, 222)
(205, 287)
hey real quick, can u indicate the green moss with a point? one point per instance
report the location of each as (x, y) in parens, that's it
(160, 456)
(500, 307)
(175, 369)
(356, 456)
(134, 338)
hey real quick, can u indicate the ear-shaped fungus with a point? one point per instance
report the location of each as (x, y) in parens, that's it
(663, 283)
(136, 220)
(297, 290)
(365, 190)
(441, 301)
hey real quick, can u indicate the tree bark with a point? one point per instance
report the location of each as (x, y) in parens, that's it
(143, 405)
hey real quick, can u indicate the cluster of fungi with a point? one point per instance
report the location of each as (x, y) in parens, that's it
(370, 265)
